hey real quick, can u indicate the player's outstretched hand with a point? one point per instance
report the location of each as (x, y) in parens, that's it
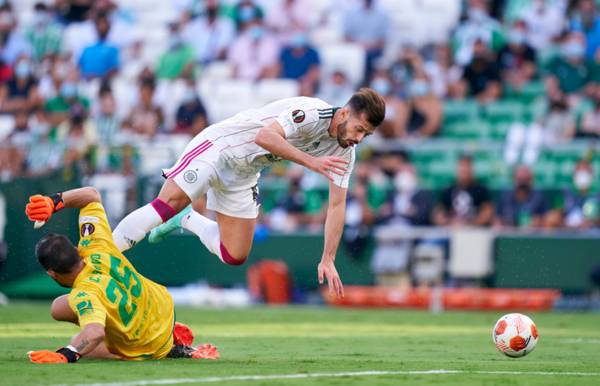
(45, 356)
(39, 208)
(329, 165)
(326, 269)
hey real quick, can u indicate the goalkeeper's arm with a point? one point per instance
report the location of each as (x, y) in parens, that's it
(41, 208)
(82, 344)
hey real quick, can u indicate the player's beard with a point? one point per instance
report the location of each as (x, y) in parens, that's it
(341, 134)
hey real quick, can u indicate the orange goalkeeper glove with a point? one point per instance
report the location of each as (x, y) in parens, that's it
(45, 356)
(41, 208)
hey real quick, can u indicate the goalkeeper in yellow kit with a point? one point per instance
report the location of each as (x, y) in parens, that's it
(122, 314)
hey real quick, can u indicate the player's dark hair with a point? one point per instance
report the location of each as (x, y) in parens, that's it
(368, 101)
(55, 252)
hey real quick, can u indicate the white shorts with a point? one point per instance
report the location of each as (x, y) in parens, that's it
(195, 172)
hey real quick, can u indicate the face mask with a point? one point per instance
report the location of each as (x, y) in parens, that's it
(573, 50)
(583, 180)
(256, 32)
(247, 13)
(188, 96)
(418, 88)
(381, 85)
(299, 40)
(22, 69)
(517, 37)
(68, 90)
(477, 15)
(40, 18)
(405, 182)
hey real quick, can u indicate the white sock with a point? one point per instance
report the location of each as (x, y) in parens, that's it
(206, 229)
(134, 227)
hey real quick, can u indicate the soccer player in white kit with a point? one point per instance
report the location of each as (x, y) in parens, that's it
(224, 162)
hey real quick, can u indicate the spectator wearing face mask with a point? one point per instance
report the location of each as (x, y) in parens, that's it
(102, 58)
(191, 117)
(477, 26)
(254, 53)
(523, 206)
(482, 75)
(209, 34)
(21, 90)
(367, 24)
(336, 89)
(68, 96)
(570, 72)
(420, 114)
(245, 13)
(587, 21)
(44, 34)
(12, 43)
(299, 60)
(555, 124)
(581, 207)
(285, 17)
(466, 202)
(392, 125)
(179, 59)
(517, 59)
(545, 21)
(108, 123)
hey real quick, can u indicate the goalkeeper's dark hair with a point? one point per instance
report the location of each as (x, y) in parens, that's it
(368, 101)
(56, 253)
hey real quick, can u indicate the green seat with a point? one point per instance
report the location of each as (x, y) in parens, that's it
(460, 111)
(499, 130)
(505, 111)
(468, 130)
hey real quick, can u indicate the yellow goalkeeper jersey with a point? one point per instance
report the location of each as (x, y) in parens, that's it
(137, 313)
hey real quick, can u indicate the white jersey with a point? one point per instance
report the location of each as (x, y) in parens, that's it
(305, 122)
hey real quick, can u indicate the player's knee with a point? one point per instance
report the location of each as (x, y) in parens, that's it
(235, 258)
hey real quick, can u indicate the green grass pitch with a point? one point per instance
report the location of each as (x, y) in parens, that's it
(320, 346)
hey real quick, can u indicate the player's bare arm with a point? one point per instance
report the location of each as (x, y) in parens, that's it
(334, 226)
(272, 138)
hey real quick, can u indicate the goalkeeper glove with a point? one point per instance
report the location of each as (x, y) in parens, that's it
(41, 208)
(62, 355)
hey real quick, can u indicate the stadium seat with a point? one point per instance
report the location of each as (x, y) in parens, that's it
(217, 71)
(269, 90)
(472, 129)
(349, 58)
(460, 110)
(504, 111)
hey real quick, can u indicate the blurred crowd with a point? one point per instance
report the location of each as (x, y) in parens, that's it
(77, 89)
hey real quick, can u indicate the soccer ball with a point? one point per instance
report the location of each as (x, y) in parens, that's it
(515, 335)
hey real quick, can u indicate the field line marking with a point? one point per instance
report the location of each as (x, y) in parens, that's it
(175, 381)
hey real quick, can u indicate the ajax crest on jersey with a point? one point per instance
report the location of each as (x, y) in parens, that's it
(190, 176)
(515, 335)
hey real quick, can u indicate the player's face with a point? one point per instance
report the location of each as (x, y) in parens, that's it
(353, 130)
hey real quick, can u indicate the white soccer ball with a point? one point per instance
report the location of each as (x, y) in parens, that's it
(515, 335)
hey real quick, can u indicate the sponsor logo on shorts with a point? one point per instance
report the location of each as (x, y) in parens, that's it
(87, 229)
(298, 116)
(190, 176)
